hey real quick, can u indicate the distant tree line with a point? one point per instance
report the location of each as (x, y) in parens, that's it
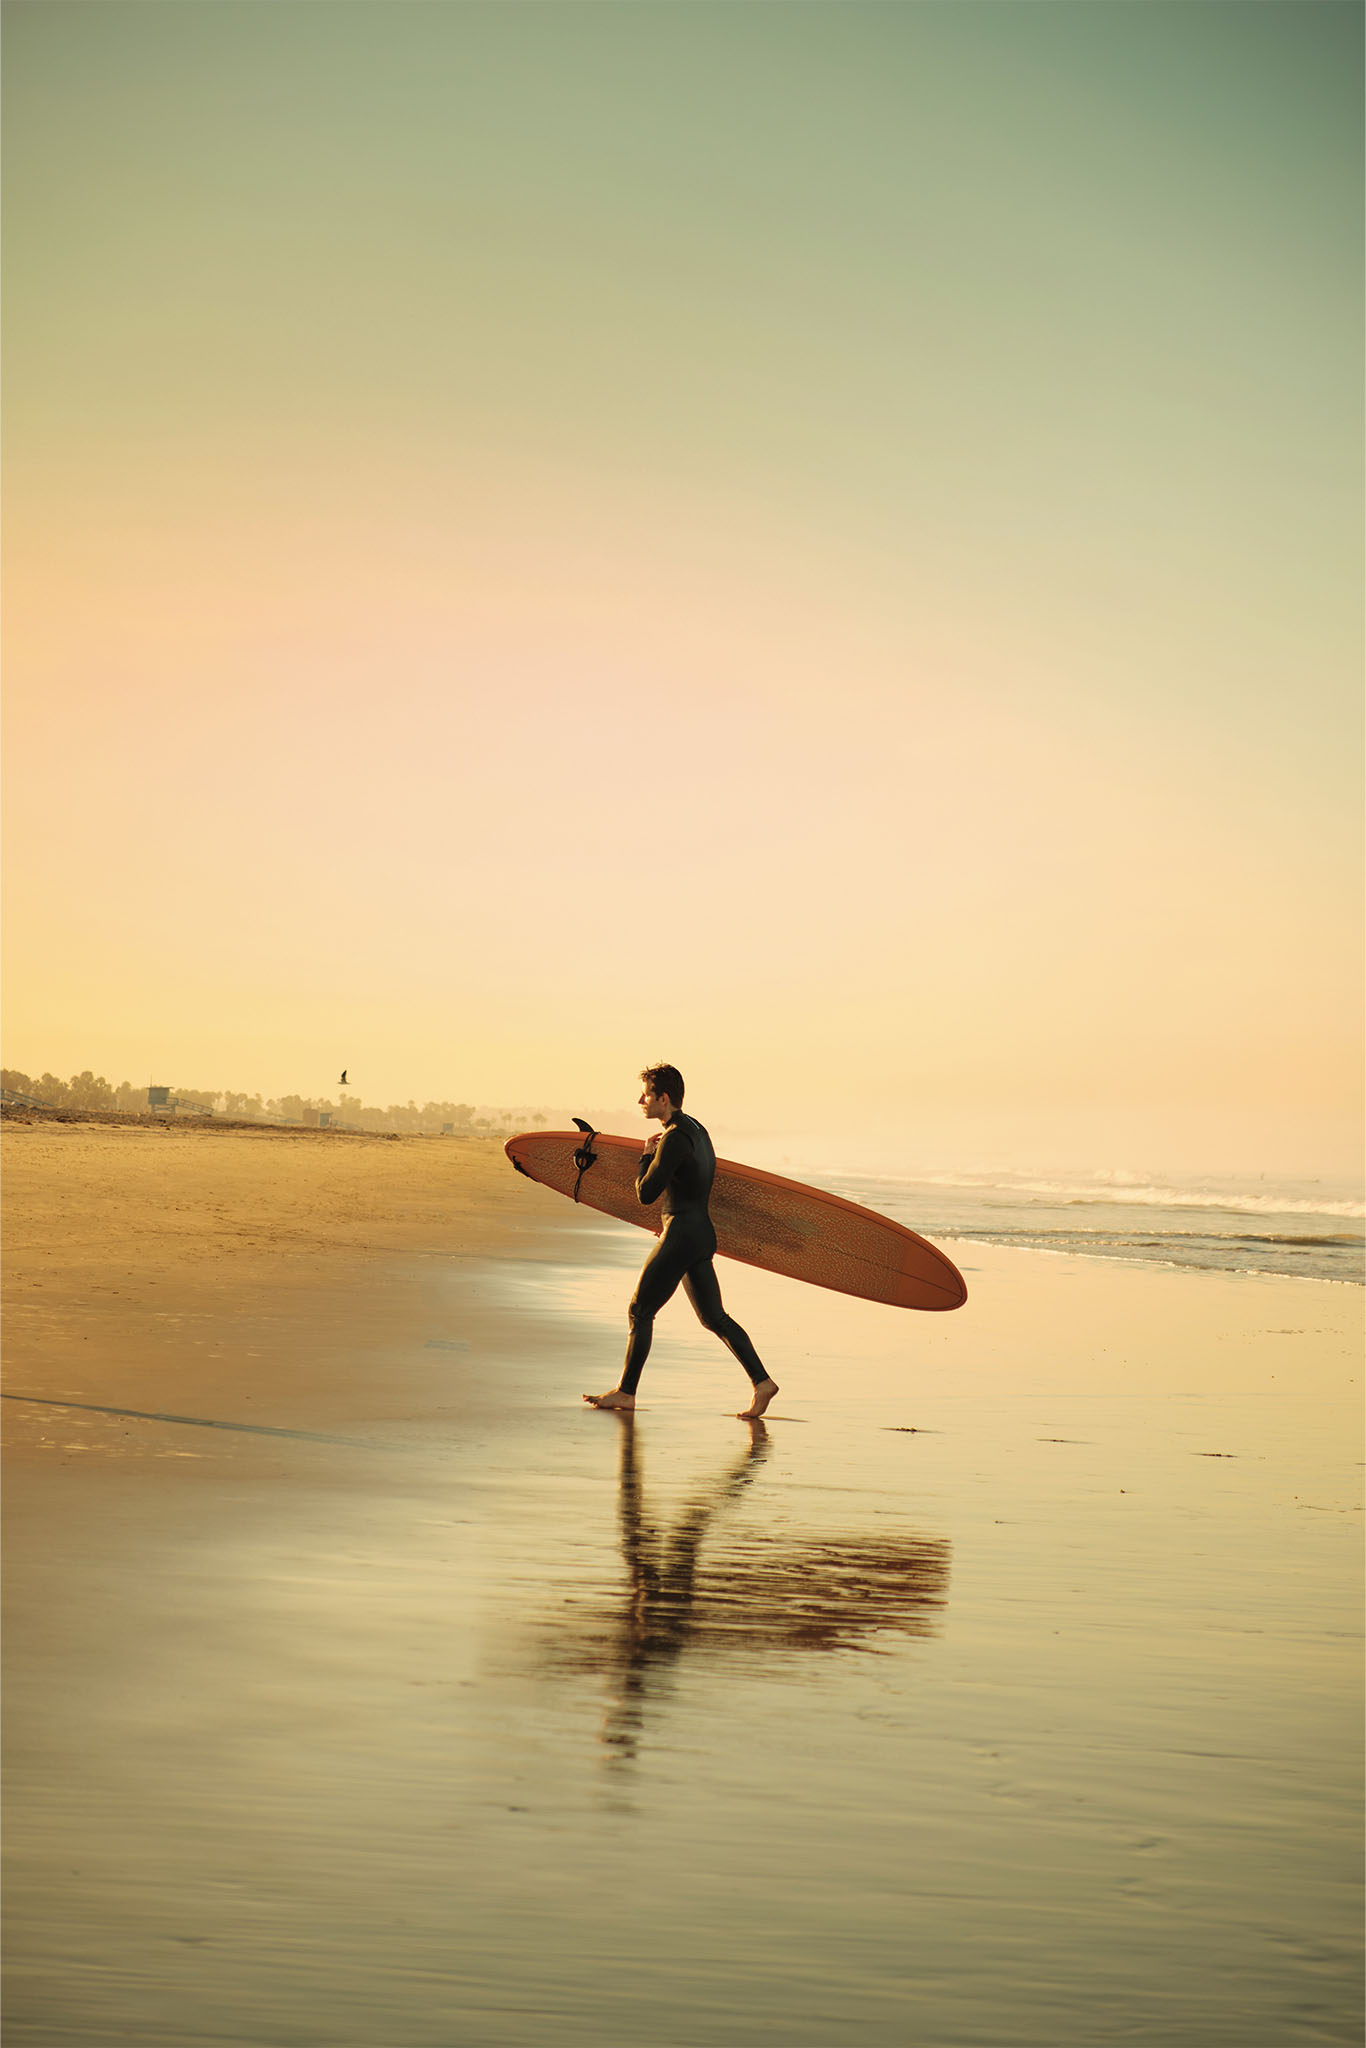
(82, 1091)
(92, 1091)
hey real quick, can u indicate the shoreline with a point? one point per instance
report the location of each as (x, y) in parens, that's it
(313, 1289)
(1045, 1251)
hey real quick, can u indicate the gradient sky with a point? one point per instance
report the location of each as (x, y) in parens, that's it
(818, 542)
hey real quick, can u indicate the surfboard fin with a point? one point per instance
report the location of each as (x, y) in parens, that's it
(585, 1156)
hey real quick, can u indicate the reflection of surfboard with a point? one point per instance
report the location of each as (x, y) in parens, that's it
(760, 1219)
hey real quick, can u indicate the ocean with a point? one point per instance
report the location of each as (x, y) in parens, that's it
(1310, 1229)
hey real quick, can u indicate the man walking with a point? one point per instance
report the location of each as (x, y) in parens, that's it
(676, 1170)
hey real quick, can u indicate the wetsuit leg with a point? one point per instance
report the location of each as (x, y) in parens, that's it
(659, 1277)
(703, 1290)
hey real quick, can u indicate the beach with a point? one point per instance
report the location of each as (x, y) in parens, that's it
(364, 1687)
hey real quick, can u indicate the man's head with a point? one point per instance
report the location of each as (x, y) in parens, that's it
(663, 1092)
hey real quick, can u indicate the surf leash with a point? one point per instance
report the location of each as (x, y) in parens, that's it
(585, 1156)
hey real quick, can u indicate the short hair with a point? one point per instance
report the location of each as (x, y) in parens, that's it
(664, 1081)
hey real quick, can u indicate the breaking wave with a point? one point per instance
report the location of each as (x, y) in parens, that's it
(1262, 1228)
(1118, 1189)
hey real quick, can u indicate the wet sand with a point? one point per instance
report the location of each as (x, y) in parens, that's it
(1003, 1690)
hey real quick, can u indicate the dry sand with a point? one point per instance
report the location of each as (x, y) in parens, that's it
(1004, 1692)
(161, 1266)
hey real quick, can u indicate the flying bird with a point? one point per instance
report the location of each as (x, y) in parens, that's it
(343, 1083)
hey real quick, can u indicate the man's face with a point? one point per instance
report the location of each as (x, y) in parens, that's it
(657, 1106)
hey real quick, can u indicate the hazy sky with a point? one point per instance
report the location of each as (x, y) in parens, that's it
(816, 541)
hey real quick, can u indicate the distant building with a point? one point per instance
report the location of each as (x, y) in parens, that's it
(162, 1098)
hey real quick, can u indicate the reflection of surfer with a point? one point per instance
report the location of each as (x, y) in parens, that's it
(691, 1596)
(658, 1618)
(677, 1170)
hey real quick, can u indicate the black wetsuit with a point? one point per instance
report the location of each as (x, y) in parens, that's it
(678, 1176)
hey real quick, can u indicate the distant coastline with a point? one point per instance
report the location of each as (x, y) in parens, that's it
(89, 1097)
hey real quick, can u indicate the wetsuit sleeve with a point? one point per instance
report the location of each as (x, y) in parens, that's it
(655, 1174)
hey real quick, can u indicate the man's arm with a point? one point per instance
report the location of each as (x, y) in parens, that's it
(656, 1173)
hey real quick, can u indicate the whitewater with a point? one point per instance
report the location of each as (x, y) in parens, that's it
(1235, 1224)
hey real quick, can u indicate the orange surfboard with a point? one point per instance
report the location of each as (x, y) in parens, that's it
(761, 1219)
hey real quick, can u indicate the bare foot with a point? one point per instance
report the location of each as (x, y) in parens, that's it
(763, 1394)
(616, 1399)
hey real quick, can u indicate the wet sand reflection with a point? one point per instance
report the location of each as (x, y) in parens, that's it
(755, 1597)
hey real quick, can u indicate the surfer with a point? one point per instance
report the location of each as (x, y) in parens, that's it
(677, 1169)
